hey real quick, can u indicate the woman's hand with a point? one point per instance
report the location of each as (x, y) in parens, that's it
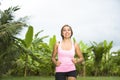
(74, 60)
(57, 63)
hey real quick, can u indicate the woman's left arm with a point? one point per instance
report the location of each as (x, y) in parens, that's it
(79, 54)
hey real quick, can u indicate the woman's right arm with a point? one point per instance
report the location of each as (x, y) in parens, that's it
(54, 53)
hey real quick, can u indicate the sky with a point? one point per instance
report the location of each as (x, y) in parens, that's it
(91, 20)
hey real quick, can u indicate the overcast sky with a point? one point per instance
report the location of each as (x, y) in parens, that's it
(91, 20)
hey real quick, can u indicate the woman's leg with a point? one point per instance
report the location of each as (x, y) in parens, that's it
(60, 76)
(71, 75)
(71, 78)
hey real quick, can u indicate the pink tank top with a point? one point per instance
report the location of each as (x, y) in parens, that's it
(65, 57)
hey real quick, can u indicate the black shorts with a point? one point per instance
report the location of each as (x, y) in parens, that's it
(64, 75)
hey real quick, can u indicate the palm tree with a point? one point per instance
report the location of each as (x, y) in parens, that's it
(99, 50)
(106, 57)
(115, 63)
(9, 48)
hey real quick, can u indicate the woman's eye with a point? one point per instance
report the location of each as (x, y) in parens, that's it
(69, 30)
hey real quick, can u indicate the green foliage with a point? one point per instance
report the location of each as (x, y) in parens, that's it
(115, 63)
(7, 16)
(52, 78)
(37, 55)
(52, 41)
(9, 48)
(99, 50)
(29, 36)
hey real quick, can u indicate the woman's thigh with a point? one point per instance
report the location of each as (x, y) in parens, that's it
(60, 76)
(71, 78)
(71, 75)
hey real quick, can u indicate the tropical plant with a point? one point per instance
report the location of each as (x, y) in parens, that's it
(52, 41)
(88, 58)
(99, 50)
(115, 63)
(105, 65)
(33, 58)
(9, 28)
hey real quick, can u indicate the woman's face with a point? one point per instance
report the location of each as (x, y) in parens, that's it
(66, 32)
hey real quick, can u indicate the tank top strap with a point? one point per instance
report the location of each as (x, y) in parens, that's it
(60, 44)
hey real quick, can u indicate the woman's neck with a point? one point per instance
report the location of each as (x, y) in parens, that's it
(67, 40)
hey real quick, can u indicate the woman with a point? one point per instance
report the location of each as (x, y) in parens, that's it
(65, 50)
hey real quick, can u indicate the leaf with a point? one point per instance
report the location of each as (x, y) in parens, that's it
(52, 41)
(29, 36)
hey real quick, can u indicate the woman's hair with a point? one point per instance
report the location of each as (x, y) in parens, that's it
(70, 29)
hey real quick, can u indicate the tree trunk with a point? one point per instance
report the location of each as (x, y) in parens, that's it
(84, 69)
(26, 61)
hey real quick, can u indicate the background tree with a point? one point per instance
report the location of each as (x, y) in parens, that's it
(99, 50)
(9, 49)
(105, 65)
(36, 55)
(114, 65)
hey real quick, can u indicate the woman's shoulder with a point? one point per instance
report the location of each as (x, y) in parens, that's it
(57, 43)
(75, 44)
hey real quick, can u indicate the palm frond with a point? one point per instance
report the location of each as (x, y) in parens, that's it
(7, 15)
(10, 29)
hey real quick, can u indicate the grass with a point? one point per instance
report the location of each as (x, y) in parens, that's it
(28, 78)
(52, 78)
(98, 78)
